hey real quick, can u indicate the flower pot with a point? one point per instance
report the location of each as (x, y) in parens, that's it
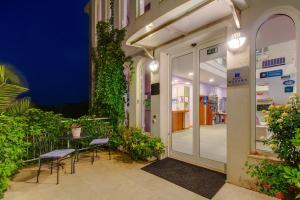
(76, 132)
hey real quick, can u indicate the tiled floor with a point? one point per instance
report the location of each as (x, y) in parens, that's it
(212, 142)
(114, 179)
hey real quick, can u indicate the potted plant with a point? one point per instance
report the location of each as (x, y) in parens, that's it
(76, 130)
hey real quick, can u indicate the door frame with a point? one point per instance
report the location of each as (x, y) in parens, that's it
(195, 157)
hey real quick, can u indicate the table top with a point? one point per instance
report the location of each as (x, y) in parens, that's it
(59, 153)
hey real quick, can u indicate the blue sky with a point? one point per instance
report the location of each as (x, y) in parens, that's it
(47, 41)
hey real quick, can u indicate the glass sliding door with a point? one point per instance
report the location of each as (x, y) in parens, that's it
(182, 103)
(212, 103)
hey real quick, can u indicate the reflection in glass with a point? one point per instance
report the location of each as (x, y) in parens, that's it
(275, 69)
(182, 104)
(213, 103)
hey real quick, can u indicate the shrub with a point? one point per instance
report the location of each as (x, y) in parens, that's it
(12, 144)
(141, 146)
(269, 177)
(292, 175)
(283, 122)
(281, 179)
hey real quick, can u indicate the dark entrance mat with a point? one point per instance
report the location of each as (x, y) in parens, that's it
(196, 179)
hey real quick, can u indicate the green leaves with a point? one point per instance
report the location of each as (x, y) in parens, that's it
(283, 121)
(10, 87)
(296, 141)
(12, 145)
(110, 84)
(269, 177)
(141, 146)
(292, 175)
(19, 106)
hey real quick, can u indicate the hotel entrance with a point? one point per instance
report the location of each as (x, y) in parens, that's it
(199, 106)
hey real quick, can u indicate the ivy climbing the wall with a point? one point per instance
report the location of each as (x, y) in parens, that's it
(110, 61)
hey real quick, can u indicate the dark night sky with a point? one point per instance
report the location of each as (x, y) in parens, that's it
(47, 41)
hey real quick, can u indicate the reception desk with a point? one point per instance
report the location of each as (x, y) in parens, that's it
(180, 120)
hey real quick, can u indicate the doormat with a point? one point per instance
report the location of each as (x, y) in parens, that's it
(199, 180)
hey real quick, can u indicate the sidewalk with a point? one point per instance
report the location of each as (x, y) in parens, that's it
(115, 179)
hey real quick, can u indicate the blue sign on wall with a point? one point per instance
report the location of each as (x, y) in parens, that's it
(289, 82)
(270, 74)
(289, 89)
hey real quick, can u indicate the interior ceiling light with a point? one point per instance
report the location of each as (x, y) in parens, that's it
(211, 80)
(236, 41)
(191, 74)
(153, 66)
(188, 83)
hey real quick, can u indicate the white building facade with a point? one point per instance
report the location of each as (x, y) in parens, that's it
(205, 70)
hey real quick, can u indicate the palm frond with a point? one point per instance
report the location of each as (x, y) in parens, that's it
(19, 106)
(10, 87)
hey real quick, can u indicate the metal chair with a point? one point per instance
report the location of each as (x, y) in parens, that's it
(46, 145)
(58, 156)
(98, 143)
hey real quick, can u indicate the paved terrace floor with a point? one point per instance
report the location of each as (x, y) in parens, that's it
(114, 179)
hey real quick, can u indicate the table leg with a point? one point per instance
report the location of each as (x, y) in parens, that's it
(39, 170)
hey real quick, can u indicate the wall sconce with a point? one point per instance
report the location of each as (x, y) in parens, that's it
(237, 40)
(154, 65)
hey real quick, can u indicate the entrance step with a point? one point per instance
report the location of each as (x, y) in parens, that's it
(233, 192)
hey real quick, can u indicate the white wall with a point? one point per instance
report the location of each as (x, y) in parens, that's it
(206, 90)
(241, 99)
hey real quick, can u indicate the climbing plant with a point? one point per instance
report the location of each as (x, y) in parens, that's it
(109, 98)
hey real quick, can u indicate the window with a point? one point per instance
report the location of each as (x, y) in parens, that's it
(124, 13)
(142, 6)
(276, 71)
(100, 11)
(107, 10)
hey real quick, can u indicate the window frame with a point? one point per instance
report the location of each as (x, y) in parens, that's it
(137, 10)
(122, 13)
(294, 14)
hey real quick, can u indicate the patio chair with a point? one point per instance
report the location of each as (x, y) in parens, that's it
(46, 144)
(97, 144)
(58, 156)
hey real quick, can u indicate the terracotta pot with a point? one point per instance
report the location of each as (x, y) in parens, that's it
(76, 132)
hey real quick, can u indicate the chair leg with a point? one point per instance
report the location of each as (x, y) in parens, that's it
(39, 170)
(51, 165)
(93, 156)
(57, 178)
(71, 164)
(109, 153)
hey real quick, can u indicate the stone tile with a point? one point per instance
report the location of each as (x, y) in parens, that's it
(105, 180)
(114, 179)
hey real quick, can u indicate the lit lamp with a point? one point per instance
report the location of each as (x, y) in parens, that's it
(153, 66)
(236, 41)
